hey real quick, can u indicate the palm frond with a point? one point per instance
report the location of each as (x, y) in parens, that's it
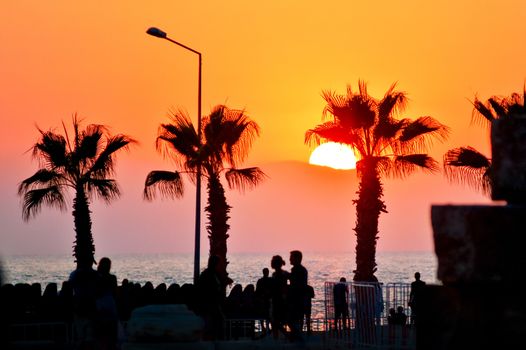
(335, 104)
(179, 140)
(499, 105)
(228, 135)
(516, 103)
(352, 111)
(417, 134)
(89, 142)
(244, 133)
(392, 103)
(243, 179)
(481, 112)
(104, 163)
(332, 131)
(385, 133)
(43, 177)
(51, 149)
(407, 164)
(33, 200)
(169, 184)
(105, 189)
(466, 165)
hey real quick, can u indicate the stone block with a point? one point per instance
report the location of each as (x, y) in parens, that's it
(508, 153)
(477, 243)
(474, 316)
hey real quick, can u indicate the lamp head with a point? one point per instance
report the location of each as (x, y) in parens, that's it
(156, 32)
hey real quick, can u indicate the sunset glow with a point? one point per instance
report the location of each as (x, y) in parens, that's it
(271, 59)
(333, 155)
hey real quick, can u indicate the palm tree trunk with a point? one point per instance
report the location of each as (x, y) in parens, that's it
(217, 227)
(369, 205)
(83, 247)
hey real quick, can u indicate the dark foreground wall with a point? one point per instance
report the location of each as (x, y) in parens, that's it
(481, 254)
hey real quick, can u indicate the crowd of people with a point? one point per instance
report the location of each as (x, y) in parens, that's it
(282, 301)
(97, 306)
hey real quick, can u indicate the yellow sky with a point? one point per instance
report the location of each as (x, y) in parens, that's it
(272, 58)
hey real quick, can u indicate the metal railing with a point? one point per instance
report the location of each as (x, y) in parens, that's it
(357, 313)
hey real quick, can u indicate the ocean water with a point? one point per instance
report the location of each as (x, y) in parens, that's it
(244, 268)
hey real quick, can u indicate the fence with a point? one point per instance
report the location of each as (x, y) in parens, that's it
(357, 313)
(360, 319)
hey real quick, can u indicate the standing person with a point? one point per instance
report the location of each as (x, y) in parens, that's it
(263, 296)
(84, 283)
(279, 296)
(378, 302)
(341, 305)
(297, 293)
(211, 300)
(414, 297)
(107, 315)
(308, 308)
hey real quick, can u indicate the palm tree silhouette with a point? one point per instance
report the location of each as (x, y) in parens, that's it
(227, 137)
(385, 146)
(82, 165)
(468, 166)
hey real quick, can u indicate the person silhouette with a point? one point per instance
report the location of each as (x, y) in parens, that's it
(279, 296)
(341, 305)
(414, 297)
(107, 316)
(400, 316)
(297, 293)
(263, 296)
(84, 282)
(391, 318)
(307, 310)
(211, 300)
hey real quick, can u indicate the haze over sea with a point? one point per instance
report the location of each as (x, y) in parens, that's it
(244, 268)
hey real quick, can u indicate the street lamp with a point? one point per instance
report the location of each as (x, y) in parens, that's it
(160, 34)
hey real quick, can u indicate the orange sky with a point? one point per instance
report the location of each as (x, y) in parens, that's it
(273, 59)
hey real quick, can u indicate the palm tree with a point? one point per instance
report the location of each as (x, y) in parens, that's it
(227, 137)
(384, 145)
(468, 166)
(82, 165)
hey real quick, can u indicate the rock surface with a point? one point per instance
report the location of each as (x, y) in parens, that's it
(477, 243)
(508, 148)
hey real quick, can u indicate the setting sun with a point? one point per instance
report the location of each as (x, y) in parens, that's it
(334, 155)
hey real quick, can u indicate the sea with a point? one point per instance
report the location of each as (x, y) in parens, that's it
(244, 268)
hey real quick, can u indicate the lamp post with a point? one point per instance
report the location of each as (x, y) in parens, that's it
(160, 34)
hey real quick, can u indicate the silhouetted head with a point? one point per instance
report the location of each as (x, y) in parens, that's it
(417, 276)
(277, 262)
(236, 290)
(104, 265)
(266, 272)
(343, 279)
(400, 309)
(213, 262)
(392, 311)
(249, 289)
(295, 257)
